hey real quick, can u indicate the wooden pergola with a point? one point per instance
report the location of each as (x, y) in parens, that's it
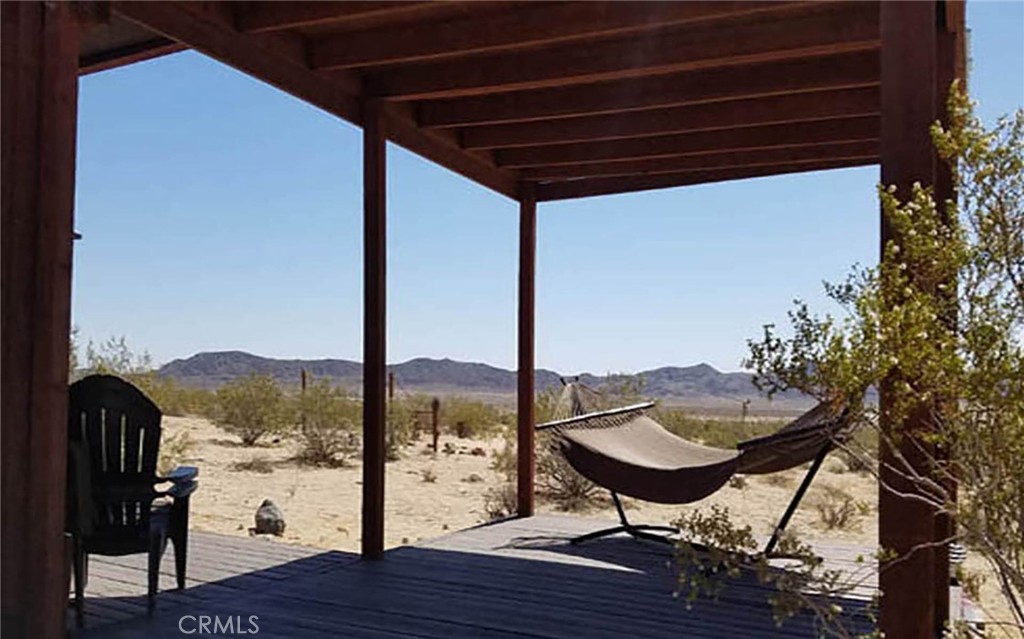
(538, 101)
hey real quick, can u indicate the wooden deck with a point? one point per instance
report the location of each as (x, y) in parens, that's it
(512, 580)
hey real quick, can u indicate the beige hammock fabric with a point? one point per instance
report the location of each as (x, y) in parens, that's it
(627, 452)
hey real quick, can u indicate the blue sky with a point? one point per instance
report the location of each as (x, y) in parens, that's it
(219, 213)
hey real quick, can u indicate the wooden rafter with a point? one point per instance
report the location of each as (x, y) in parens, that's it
(779, 36)
(704, 142)
(632, 183)
(779, 109)
(533, 26)
(264, 17)
(866, 150)
(794, 76)
(137, 52)
(267, 58)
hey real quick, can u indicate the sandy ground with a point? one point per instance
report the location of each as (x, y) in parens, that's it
(321, 505)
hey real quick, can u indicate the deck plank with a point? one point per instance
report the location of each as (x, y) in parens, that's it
(518, 579)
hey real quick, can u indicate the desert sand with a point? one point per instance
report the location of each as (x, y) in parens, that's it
(429, 495)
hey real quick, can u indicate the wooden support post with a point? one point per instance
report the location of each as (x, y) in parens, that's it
(919, 59)
(435, 421)
(527, 281)
(374, 328)
(391, 387)
(39, 118)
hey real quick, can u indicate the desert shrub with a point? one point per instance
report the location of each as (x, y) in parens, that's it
(837, 509)
(466, 418)
(559, 482)
(501, 501)
(174, 398)
(173, 450)
(780, 480)
(428, 476)
(257, 464)
(720, 433)
(328, 421)
(504, 460)
(738, 481)
(252, 408)
(404, 423)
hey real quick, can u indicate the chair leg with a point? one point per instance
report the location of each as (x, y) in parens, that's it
(78, 560)
(157, 543)
(179, 537)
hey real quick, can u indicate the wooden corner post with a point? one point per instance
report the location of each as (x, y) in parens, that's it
(39, 119)
(921, 54)
(527, 287)
(374, 328)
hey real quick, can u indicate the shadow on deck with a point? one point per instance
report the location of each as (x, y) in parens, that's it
(512, 580)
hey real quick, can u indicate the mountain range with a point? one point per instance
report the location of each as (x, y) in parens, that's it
(698, 385)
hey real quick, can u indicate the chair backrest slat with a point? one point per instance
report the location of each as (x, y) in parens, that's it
(120, 429)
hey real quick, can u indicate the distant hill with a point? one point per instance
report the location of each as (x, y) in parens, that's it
(699, 385)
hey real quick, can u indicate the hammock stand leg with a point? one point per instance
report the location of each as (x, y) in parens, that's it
(804, 485)
(637, 531)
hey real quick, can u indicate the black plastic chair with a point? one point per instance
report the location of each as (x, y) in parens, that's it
(115, 504)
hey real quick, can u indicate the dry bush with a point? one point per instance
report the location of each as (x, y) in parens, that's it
(738, 481)
(501, 501)
(779, 480)
(428, 476)
(252, 408)
(837, 509)
(328, 418)
(257, 464)
(466, 418)
(173, 450)
(719, 433)
(560, 483)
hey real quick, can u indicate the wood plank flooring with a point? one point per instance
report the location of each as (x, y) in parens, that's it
(518, 579)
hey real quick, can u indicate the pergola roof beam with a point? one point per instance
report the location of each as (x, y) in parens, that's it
(817, 30)
(283, 67)
(263, 17)
(632, 183)
(858, 69)
(799, 107)
(779, 135)
(540, 25)
(866, 150)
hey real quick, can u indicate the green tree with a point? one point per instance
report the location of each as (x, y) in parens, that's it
(939, 324)
(253, 407)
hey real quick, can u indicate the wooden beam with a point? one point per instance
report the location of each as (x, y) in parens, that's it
(529, 26)
(778, 109)
(813, 74)
(950, 66)
(866, 150)
(265, 59)
(130, 54)
(264, 17)
(374, 328)
(526, 364)
(702, 142)
(626, 184)
(907, 527)
(817, 30)
(37, 181)
(283, 66)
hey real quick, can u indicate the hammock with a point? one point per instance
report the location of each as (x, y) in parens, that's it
(629, 453)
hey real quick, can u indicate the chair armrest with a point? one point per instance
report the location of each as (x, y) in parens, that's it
(181, 490)
(180, 475)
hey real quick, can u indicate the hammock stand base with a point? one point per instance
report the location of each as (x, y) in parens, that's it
(643, 531)
(636, 531)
